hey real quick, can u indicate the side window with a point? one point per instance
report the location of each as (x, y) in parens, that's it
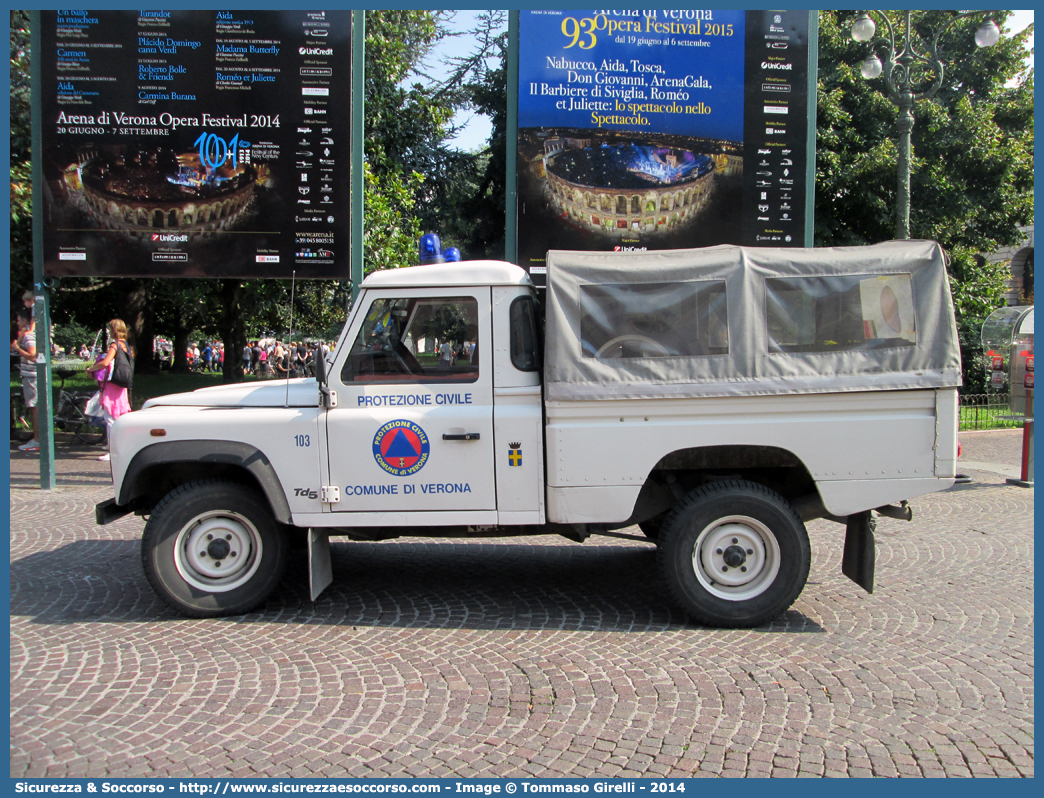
(648, 320)
(839, 313)
(418, 340)
(525, 335)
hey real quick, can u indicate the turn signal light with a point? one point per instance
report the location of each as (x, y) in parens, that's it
(157, 433)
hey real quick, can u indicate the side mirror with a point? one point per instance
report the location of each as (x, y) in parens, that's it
(320, 367)
(327, 398)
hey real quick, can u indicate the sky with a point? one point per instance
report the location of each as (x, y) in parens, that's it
(1019, 22)
(476, 127)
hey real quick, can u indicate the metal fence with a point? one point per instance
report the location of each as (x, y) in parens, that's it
(981, 411)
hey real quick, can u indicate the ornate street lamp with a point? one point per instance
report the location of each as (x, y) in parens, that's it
(903, 88)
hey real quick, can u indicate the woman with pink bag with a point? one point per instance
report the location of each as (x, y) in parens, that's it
(114, 399)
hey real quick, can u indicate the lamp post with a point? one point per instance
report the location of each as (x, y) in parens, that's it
(903, 88)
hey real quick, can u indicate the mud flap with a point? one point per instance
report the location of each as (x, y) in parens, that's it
(860, 551)
(320, 569)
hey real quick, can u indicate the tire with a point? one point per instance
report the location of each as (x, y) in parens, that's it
(78, 424)
(21, 426)
(234, 521)
(734, 554)
(88, 434)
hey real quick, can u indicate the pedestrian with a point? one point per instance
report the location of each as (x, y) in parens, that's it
(280, 367)
(114, 399)
(445, 355)
(255, 357)
(25, 347)
(473, 349)
(246, 358)
(207, 354)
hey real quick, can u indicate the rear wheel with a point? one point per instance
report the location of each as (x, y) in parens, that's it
(211, 548)
(734, 554)
(79, 425)
(87, 433)
(21, 417)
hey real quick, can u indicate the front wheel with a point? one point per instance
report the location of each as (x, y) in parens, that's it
(211, 548)
(734, 554)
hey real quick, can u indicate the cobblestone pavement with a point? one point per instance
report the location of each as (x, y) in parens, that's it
(526, 657)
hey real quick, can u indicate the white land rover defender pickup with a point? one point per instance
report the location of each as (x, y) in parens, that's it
(717, 398)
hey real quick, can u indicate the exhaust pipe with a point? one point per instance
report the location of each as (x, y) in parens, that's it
(903, 512)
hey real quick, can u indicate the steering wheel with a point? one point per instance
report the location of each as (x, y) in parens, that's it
(616, 347)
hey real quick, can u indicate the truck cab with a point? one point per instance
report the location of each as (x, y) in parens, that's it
(438, 413)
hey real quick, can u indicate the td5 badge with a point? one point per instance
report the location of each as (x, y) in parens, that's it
(401, 448)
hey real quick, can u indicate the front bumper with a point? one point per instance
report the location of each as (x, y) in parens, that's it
(108, 511)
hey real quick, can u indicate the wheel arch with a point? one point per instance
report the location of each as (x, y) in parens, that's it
(161, 467)
(683, 470)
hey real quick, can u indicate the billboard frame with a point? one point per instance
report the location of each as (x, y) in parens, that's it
(512, 221)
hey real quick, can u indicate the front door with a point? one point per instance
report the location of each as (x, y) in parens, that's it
(413, 426)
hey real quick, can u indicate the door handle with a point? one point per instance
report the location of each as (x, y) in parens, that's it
(460, 436)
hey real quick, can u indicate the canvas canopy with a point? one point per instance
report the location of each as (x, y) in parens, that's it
(746, 321)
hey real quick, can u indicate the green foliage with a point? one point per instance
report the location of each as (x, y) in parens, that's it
(391, 229)
(475, 216)
(21, 171)
(972, 164)
(972, 176)
(401, 121)
(21, 128)
(447, 323)
(408, 124)
(73, 334)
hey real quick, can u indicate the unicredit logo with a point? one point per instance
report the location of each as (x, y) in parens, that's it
(768, 65)
(158, 237)
(315, 50)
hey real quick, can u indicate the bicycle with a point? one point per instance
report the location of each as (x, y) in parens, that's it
(21, 425)
(70, 414)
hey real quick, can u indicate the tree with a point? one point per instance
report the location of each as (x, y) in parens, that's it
(21, 169)
(409, 122)
(391, 228)
(476, 215)
(972, 172)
